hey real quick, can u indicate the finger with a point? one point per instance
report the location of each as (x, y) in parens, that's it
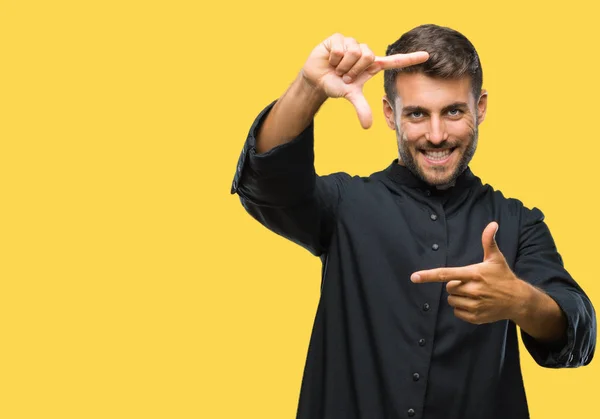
(362, 107)
(400, 60)
(463, 303)
(465, 288)
(488, 240)
(465, 273)
(466, 315)
(455, 287)
(366, 59)
(352, 54)
(335, 45)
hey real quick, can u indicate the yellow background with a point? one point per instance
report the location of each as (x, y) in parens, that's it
(132, 285)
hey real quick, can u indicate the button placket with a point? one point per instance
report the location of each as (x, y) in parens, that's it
(437, 237)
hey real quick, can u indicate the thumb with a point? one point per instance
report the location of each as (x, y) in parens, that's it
(362, 108)
(488, 240)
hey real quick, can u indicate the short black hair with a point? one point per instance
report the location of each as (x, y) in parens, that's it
(451, 55)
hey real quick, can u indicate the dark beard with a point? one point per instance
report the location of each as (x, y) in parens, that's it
(409, 161)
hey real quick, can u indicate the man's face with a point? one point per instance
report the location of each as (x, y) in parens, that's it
(436, 124)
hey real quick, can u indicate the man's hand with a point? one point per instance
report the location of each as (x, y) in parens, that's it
(483, 293)
(340, 66)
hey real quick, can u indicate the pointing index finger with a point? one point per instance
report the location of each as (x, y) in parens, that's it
(400, 60)
(443, 275)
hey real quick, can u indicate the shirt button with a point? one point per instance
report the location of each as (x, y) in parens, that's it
(435, 246)
(416, 376)
(411, 412)
(421, 342)
(426, 307)
(433, 217)
(428, 192)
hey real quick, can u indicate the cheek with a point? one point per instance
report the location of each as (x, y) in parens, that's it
(412, 133)
(462, 129)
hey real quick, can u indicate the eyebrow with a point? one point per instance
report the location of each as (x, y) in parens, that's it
(411, 109)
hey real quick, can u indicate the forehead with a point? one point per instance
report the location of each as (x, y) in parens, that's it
(417, 89)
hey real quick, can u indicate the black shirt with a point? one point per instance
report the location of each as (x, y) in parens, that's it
(383, 347)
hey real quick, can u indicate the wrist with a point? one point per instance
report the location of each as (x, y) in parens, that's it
(522, 302)
(309, 91)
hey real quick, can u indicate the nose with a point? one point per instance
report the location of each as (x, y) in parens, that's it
(437, 130)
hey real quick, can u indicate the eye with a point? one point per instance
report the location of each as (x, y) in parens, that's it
(454, 112)
(416, 114)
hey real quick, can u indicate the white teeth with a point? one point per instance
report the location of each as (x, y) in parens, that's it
(437, 155)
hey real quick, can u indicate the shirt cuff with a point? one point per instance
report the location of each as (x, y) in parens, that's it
(558, 354)
(250, 144)
(287, 169)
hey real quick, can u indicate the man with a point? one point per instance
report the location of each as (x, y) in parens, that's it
(426, 271)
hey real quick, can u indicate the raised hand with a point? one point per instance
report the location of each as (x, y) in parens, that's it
(484, 292)
(340, 67)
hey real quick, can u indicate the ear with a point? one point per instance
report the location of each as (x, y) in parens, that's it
(482, 106)
(388, 112)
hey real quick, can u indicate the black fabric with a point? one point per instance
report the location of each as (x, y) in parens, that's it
(383, 347)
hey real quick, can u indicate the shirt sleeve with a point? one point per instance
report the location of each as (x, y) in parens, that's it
(539, 263)
(281, 189)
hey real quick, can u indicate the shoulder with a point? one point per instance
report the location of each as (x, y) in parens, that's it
(512, 207)
(355, 182)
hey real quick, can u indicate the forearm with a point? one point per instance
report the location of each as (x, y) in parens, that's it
(292, 113)
(539, 315)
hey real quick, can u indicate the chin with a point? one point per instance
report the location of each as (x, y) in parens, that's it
(440, 181)
(435, 179)
(438, 173)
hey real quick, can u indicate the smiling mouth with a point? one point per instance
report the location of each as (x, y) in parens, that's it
(438, 156)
